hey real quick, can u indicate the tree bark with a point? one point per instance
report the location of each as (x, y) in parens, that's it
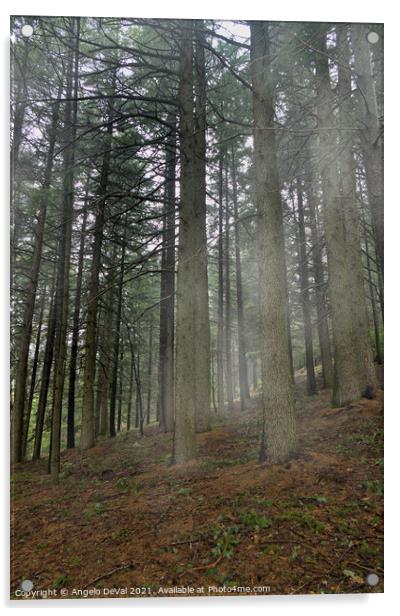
(320, 285)
(278, 398)
(371, 133)
(346, 357)
(149, 374)
(228, 311)
(114, 378)
(378, 349)
(75, 337)
(305, 297)
(131, 382)
(167, 305)
(220, 323)
(45, 379)
(35, 363)
(62, 289)
(184, 447)
(243, 372)
(139, 397)
(29, 309)
(120, 376)
(202, 323)
(89, 374)
(368, 380)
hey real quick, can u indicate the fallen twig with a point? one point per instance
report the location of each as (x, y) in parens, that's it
(121, 567)
(207, 566)
(324, 574)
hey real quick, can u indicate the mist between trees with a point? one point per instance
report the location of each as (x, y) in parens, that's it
(197, 213)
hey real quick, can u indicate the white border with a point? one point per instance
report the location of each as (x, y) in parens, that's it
(290, 10)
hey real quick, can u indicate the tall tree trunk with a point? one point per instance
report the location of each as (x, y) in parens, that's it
(121, 376)
(34, 368)
(106, 351)
(167, 306)
(114, 378)
(29, 309)
(213, 396)
(105, 367)
(371, 133)
(228, 312)
(202, 323)
(149, 373)
(45, 379)
(75, 336)
(278, 398)
(289, 329)
(378, 349)
(243, 373)
(131, 382)
(139, 397)
(346, 358)
(254, 372)
(305, 297)
(368, 380)
(89, 374)
(318, 273)
(185, 402)
(62, 289)
(220, 322)
(18, 80)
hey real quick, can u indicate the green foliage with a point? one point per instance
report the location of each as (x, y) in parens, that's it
(63, 580)
(226, 539)
(254, 520)
(95, 510)
(304, 519)
(122, 533)
(265, 502)
(294, 555)
(373, 485)
(122, 484)
(185, 491)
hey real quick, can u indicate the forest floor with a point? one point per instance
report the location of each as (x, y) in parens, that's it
(123, 522)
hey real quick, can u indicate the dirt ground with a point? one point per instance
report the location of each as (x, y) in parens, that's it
(123, 522)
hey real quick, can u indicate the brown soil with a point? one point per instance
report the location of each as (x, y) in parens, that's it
(123, 518)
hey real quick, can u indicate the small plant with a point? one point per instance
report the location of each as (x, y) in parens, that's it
(265, 502)
(312, 523)
(135, 489)
(373, 485)
(254, 520)
(226, 541)
(342, 449)
(305, 519)
(185, 491)
(294, 553)
(63, 580)
(96, 509)
(122, 484)
(123, 533)
(366, 549)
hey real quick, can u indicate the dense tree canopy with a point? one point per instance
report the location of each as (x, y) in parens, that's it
(197, 213)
